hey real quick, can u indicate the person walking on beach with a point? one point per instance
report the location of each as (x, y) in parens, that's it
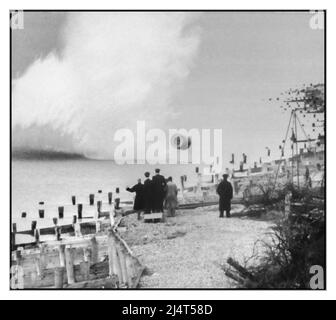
(225, 193)
(159, 184)
(139, 197)
(171, 197)
(148, 194)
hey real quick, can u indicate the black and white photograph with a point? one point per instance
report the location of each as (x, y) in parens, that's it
(167, 149)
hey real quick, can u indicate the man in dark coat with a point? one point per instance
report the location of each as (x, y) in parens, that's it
(225, 192)
(148, 193)
(159, 185)
(139, 197)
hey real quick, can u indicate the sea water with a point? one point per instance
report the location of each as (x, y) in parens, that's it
(55, 181)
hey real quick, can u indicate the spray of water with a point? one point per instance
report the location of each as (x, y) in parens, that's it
(115, 69)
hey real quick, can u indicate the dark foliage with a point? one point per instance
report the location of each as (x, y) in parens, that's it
(297, 243)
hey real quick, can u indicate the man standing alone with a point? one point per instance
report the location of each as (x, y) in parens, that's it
(225, 193)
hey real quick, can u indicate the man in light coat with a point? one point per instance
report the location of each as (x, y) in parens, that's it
(171, 197)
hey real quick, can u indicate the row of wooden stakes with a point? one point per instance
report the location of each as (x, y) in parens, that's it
(59, 225)
(78, 227)
(91, 202)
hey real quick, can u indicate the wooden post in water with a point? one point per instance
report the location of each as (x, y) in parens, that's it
(117, 200)
(97, 215)
(57, 229)
(41, 210)
(73, 200)
(69, 265)
(41, 213)
(59, 233)
(99, 202)
(109, 196)
(99, 206)
(80, 211)
(33, 227)
(117, 203)
(91, 199)
(34, 231)
(61, 212)
(36, 234)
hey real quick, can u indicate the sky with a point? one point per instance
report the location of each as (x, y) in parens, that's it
(222, 68)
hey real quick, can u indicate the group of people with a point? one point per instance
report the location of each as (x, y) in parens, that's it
(156, 193)
(152, 195)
